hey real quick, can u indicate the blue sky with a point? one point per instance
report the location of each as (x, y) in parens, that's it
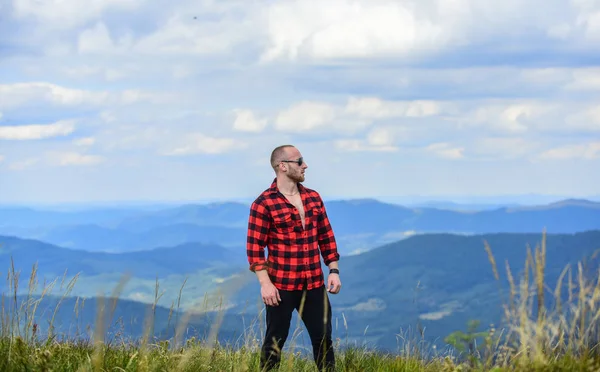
(130, 100)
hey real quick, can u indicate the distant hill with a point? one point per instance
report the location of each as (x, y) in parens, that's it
(36, 218)
(123, 320)
(98, 238)
(461, 207)
(560, 204)
(227, 214)
(369, 216)
(163, 261)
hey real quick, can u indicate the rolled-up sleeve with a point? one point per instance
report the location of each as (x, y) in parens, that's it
(326, 237)
(258, 232)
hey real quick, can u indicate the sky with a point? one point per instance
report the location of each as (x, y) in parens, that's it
(130, 100)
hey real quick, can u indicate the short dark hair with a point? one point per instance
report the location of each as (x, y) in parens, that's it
(278, 154)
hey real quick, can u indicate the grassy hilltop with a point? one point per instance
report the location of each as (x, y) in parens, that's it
(545, 329)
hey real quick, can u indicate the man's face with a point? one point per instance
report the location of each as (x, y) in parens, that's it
(294, 171)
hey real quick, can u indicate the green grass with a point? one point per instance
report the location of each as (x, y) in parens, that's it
(17, 355)
(533, 337)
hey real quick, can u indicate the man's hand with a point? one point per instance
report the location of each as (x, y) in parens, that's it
(333, 283)
(268, 291)
(270, 294)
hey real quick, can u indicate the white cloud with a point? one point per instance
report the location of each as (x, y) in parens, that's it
(14, 95)
(357, 114)
(57, 158)
(586, 119)
(343, 29)
(559, 31)
(126, 137)
(305, 116)
(446, 150)
(201, 28)
(556, 76)
(585, 24)
(355, 145)
(246, 121)
(68, 13)
(181, 34)
(592, 30)
(503, 147)
(517, 121)
(352, 29)
(376, 108)
(198, 143)
(585, 79)
(37, 131)
(380, 137)
(98, 40)
(23, 164)
(87, 71)
(506, 117)
(574, 151)
(84, 141)
(108, 117)
(74, 159)
(303, 30)
(1, 158)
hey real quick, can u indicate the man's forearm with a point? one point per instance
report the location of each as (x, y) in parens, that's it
(263, 277)
(333, 265)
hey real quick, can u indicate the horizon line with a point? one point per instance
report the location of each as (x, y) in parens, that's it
(457, 199)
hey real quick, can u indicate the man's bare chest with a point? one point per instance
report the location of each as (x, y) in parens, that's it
(296, 201)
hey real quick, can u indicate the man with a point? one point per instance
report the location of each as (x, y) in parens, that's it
(290, 219)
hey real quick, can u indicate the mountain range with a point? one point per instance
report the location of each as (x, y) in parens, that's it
(401, 267)
(359, 224)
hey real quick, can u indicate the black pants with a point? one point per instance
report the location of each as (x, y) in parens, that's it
(317, 322)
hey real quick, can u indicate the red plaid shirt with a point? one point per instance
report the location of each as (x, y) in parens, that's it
(293, 251)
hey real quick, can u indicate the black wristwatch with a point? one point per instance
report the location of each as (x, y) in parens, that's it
(334, 271)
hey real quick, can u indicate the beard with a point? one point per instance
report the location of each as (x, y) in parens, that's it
(296, 177)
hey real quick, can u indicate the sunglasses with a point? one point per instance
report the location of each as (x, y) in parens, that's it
(299, 161)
